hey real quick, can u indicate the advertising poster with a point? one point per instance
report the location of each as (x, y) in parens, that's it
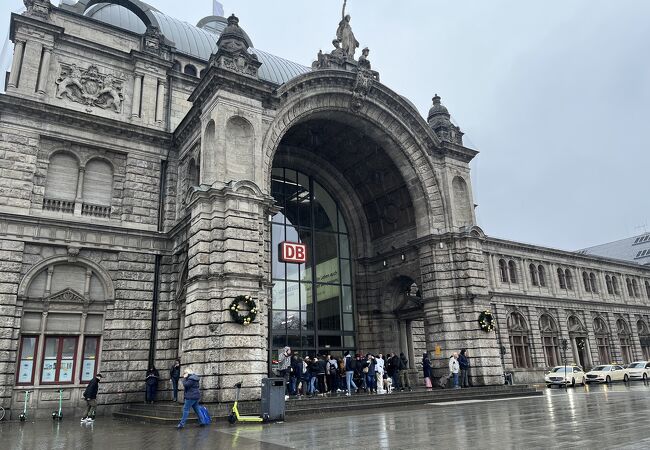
(25, 375)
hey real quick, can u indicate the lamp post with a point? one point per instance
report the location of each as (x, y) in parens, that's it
(565, 346)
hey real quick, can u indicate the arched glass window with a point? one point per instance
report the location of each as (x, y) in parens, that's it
(512, 271)
(569, 279)
(624, 338)
(542, 275)
(312, 307)
(519, 341)
(617, 290)
(190, 70)
(61, 183)
(602, 340)
(533, 275)
(585, 281)
(550, 340)
(608, 283)
(644, 338)
(503, 270)
(630, 292)
(635, 287)
(561, 278)
(593, 282)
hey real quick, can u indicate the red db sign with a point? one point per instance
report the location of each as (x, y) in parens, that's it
(292, 252)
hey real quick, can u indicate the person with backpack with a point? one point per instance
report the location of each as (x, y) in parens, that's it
(192, 396)
(463, 363)
(332, 374)
(403, 367)
(90, 396)
(175, 376)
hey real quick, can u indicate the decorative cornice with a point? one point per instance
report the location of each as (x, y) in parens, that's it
(32, 22)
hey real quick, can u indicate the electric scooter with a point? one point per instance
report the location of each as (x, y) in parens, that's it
(23, 415)
(57, 415)
(236, 417)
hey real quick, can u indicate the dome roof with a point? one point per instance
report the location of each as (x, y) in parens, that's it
(438, 109)
(196, 41)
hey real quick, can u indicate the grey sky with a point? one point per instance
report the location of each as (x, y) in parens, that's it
(554, 94)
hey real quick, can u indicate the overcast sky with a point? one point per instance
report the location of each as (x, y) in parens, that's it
(555, 95)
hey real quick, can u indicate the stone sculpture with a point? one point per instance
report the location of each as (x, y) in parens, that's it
(345, 35)
(90, 87)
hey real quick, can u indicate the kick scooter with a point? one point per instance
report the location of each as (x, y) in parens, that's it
(23, 415)
(236, 417)
(57, 415)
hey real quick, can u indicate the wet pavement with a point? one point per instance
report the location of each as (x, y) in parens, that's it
(592, 417)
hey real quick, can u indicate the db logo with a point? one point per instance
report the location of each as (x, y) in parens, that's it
(292, 252)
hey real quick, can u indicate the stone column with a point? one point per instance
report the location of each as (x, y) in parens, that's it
(137, 95)
(30, 67)
(16, 64)
(45, 70)
(160, 102)
(78, 202)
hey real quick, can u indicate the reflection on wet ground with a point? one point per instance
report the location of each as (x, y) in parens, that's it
(585, 417)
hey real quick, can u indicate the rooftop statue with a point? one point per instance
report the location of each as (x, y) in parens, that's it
(345, 35)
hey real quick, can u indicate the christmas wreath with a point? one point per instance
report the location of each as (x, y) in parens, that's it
(486, 321)
(243, 303)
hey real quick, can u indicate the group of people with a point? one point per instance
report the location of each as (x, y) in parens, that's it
(459, 369)
(153, 376)
(329, 374)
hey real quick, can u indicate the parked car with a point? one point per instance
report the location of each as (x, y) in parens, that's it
(557, 376)
(606, 374)
(639, 370)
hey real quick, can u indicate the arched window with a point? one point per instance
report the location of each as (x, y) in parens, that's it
(624, 338)
(617, 290)
(190, 70)
(542, 275)
(61, 183)
(62, 347)
(569, 279)
(97, 189)
(593, 282)
(608, 283)
(533, 275)
(644, 338)
(630, 292)
(503, 270)
(635, 287)
(550, 340)
(519, 341)
(561, 278)
(585, 281)
(602, 340)
(512, 271)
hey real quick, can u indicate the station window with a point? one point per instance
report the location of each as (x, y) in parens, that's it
(58, 359)
(26, 366)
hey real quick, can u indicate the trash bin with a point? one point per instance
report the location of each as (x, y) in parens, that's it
(272, 407)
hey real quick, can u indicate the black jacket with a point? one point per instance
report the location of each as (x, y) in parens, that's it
(152, 377)
(91, 390)
(402, 363)
(175, 372)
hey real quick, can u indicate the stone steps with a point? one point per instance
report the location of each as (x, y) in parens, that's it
(169, 413)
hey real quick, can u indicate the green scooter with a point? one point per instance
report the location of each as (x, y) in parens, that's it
(23, 415)
(57, 415)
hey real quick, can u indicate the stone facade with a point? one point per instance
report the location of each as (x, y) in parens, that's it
(136, 191)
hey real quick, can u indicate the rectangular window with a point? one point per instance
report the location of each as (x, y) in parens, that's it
(58, 359)
(603, 350)
(26, 364)
(551, 351)
(520, 352)
(90, 356)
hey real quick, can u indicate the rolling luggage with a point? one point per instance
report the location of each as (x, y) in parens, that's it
(204, 415)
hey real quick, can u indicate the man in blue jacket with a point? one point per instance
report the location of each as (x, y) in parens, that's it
(192, 395)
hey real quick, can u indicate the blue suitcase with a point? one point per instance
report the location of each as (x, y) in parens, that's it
(204, 415)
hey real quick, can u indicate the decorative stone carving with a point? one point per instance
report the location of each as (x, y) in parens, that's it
(345, 35)
(67, 296)
(364, 62)
(152, 39)
(362, 86)
(38, 8)
(233, 52)
(90, 87)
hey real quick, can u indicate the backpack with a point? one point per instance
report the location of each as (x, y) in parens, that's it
(332, 367)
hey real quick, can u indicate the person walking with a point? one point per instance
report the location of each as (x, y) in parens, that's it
(403, 365)
(379, 373)
(349, 373)
(175, 375)
(463, 363)
(90, 396)
(151, 382)
(426, 369)
(454, 368)
(192, 395)
(284, 368)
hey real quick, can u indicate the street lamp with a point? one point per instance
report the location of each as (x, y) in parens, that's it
(565, 346)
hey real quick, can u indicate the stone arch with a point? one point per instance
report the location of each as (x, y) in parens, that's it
(102, 275)
(209, 156)
(385, 117)
(462, 202)
(140, 9)
(190, 69)
(240, 149)
(399, 295)
(575, 325)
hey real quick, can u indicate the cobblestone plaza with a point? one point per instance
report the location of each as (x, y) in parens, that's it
(152, 172)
